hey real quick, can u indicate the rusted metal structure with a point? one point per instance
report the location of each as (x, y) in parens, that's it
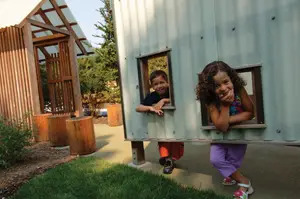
(44, 33)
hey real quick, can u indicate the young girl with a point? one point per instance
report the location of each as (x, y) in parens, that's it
(223, 92)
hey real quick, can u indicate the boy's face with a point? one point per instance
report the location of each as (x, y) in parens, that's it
(160, 85)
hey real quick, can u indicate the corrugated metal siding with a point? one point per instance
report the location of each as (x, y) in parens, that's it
(15, 101)
(240, 32)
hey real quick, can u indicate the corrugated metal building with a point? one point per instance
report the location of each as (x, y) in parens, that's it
(243, 33)
(33, 31)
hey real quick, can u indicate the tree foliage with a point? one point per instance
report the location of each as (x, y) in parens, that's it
(96, 73)
(158, 63)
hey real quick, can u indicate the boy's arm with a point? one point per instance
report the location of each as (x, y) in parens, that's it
(220, 118)
(143, 108)
(248, 107)
(161, 103)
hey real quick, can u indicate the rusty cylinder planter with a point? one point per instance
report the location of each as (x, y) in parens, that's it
(81, 135)
(114, 115)
(58, 134)
(41, 127)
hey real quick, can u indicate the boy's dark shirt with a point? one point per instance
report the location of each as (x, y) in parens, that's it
(153, 98)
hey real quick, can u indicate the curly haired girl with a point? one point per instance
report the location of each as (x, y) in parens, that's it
(227, 101)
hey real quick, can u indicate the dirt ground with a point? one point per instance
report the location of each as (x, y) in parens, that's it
(41, 157)
(100, 120)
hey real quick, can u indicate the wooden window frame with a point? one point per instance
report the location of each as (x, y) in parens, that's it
(143, 75)
(259, 121)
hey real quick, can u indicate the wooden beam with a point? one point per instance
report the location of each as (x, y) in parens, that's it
(75, 78)
(44, 17)
(35, 101)
(60, 26)
(31, 13)
(51, 42)
(53, 9)
(48, 38)
(65, 21)
(48, 27)
(44, 51)
(71, 24)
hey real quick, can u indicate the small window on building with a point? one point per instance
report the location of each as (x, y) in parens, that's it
(149, 63)
(252, 76)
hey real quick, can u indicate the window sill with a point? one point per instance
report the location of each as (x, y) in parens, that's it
(239, 126)
(168, 108)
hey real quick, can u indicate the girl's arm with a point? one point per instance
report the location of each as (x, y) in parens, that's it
(220, 118)
(248, 107)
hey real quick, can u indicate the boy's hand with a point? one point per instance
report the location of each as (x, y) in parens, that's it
(228, 98)
(161, 103)
(158, 112)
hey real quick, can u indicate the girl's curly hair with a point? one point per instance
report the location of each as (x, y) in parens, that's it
(205, 90)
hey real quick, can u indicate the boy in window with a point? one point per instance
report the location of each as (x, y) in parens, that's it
(169, 151)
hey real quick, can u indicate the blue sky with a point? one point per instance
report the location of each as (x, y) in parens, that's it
(86, 15)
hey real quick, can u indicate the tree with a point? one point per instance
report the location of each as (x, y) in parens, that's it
(97, 73)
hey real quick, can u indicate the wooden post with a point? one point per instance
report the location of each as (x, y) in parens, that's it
(58, 134)
(41, 127)
(81, 135)
(75, 78)
(33, 84)
(138, 153)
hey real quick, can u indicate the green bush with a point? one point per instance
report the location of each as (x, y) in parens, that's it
(14, 137)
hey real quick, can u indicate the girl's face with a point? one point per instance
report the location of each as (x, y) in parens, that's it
(223, 84)
(160, 85)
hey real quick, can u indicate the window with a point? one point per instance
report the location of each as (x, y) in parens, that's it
(252, 75)
(149, 63)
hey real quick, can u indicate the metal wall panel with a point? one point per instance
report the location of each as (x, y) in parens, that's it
(239, 32)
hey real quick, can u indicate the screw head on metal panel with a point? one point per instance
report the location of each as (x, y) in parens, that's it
(201, 37)
(273, 18)
(233, 29)
(278, 131)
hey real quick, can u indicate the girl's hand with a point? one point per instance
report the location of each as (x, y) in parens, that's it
(228, 98)
(158, 112)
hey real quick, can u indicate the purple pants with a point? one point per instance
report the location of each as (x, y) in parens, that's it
(227, 158)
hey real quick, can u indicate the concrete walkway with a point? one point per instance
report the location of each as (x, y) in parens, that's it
(273, 169)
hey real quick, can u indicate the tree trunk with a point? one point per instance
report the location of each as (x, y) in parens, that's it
(41, 129)
(114, 115)
(58, 135)
(81, 135)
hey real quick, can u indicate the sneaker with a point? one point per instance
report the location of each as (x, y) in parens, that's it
(162, 161)
(169, 166)
(228, 181)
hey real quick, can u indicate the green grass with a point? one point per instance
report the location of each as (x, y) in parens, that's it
(93, 178)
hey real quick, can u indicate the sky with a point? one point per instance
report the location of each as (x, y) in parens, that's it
(86, 15)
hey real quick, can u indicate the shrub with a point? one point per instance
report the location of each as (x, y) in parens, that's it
(14, 137)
